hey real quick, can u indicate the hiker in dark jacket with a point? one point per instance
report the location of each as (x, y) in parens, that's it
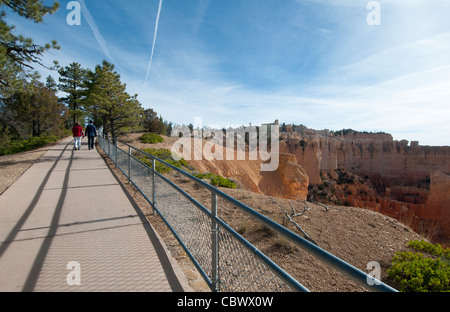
(91, 133)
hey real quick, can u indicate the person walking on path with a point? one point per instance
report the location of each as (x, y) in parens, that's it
(91, 133)
(78, 134)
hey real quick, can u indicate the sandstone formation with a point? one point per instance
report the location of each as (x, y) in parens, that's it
(437, 207)
(289, 181)
(366, 155)
(405, 181)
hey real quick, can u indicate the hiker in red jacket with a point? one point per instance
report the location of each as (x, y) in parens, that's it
(78, 134)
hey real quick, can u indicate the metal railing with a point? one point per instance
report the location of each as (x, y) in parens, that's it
(224, 258)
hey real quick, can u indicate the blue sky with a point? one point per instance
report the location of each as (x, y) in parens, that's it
(234, 62)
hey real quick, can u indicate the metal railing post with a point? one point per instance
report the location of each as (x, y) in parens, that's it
(215, 244)
(129, 162)
(153, 184)
(116, 145)
(109, 146)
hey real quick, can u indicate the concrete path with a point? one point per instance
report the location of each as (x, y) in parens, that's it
(67, 225)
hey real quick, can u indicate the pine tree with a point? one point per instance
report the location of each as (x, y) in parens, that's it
(17, 53)
(108, 100)
(151, 120)
(51, 84)
(73, 82)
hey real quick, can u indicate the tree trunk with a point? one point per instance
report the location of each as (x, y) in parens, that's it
(113, 127)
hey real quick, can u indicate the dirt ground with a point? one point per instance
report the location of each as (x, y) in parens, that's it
(12, 167)
(355, 235)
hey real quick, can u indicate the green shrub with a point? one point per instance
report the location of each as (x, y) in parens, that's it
(217, 180)
(164, 155)
(14, 147)
(416, 272)
(151, 138)
(432, 249)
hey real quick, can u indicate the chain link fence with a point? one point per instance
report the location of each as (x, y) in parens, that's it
(225, 259)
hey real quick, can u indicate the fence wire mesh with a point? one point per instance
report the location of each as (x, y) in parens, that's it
(241, 271)
(192, 225)
(141, 176)
(238, 268)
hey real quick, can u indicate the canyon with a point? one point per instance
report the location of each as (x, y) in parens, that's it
(399, 179)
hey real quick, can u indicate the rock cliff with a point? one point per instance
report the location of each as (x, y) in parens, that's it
(400, 179)
(289, 181)
(437, 207)
(366, 155)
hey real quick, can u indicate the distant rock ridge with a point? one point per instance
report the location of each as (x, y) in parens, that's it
(400, 179)
(365, 154)
(410, 181)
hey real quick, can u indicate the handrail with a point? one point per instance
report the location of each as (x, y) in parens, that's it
(364, 279)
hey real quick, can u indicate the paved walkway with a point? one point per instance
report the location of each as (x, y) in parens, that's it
(67, 225)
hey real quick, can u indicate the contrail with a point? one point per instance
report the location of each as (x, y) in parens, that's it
(154, 42)
(95, 30)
